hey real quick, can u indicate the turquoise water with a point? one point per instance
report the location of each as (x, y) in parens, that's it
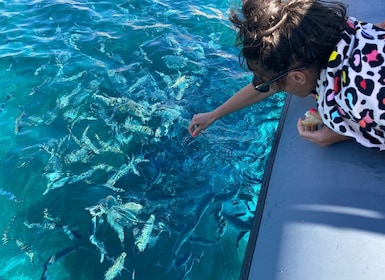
(99, 176)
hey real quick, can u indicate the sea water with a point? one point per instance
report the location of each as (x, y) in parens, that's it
(99, 176)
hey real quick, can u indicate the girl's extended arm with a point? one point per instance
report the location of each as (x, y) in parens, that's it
(243, 98)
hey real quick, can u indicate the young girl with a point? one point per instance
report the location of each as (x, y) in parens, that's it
(310, 47)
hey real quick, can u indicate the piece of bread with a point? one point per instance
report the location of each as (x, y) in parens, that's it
(312, 118)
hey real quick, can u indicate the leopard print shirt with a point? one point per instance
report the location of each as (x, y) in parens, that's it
(351, 90)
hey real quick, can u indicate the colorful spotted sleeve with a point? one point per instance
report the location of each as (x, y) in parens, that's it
(351, 90)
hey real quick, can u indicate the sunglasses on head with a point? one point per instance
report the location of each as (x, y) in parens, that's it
(261, 86)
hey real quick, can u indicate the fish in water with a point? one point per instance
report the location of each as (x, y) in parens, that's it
(5, 237)
(118, 215)
(73, 234)
(26, 249)
(144, 238)
(188, 264)
(61, 254)
(122, 171)
(238, 223)
(54, 258)
(131, 167)
(9, 195)
(95, 241)
(116, 268)
(18, 122)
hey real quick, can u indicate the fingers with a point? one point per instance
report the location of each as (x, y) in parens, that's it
(314, 134)
(380, 25)
(193, 130)
(200, 122)
(306, 131)
(300, 127)
(194, 127)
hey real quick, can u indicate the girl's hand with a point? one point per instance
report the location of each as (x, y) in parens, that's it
(323, 136)
(381, 25)
(200, 122)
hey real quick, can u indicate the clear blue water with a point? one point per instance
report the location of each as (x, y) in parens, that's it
(99, 176)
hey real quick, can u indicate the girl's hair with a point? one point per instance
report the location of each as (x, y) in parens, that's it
(278, 35)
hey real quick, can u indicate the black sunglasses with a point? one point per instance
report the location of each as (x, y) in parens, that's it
(265, 86)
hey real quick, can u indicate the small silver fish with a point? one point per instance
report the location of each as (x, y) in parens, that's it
(5, 237)
(144, 238)
(87, 143)
(123, 170)
(26, 249)
(116, 268)
(18, 122)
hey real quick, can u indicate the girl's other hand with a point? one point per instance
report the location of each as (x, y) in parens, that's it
(381, 25)
(323, 136)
